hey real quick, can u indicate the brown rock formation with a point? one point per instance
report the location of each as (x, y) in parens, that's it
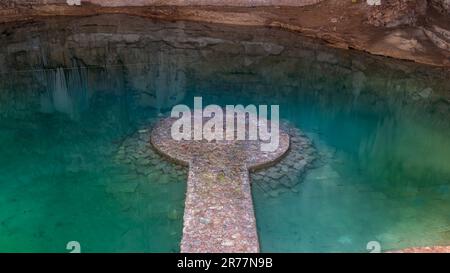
(442, 6)
(244, 3)
(393, 13)
(199, 53)
(395, 29)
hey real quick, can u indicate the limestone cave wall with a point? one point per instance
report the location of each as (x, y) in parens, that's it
(158, 62)
(441, 5)
(206, 2)
(116, 3)
(15, 3)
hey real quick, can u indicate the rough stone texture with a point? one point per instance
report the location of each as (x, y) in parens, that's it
(119, 3)
(15, 3)
(138, 154)
(442, 6)
(134, 52)
(438, 36)
(290, 170)
(341, 24)
(218, 214)
(115, 3)
(393, 13)
(425, 249)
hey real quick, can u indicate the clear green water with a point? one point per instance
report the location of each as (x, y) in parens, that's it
(59, 183)
(385, 179)
(384, 172)
(381, 177)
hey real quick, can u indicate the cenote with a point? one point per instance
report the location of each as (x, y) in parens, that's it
(78, 97)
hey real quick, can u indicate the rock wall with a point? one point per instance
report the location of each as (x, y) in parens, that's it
(441, 5)
(393, 13)
(117, 3)
(159, 61)
(205, 2)
(15, 3)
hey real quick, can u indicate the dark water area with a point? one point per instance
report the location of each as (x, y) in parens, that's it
(78, 97)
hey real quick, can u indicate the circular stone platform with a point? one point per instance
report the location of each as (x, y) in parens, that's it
(218, 214)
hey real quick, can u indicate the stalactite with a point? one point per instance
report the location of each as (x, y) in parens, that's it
(66, 90)
(78, 87)
(61, 98)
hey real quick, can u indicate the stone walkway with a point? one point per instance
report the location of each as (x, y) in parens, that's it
(218, 214)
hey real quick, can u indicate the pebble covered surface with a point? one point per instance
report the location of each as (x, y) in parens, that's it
(219, 215)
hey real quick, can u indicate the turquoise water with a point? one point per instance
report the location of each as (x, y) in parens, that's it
(383, 168)
(60, 183)
(384, 178)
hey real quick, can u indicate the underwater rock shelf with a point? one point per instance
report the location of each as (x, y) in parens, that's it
(291, 169)
(219, 215)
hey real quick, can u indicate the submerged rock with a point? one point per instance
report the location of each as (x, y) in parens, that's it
(289, 171)
(137, 153)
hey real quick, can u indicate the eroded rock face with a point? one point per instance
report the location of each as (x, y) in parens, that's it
(13, 3)
(342, 24)
(442, 6)
(158, 61)
(438, 36)
(116, 3)
(394, 13)
(119, 3)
